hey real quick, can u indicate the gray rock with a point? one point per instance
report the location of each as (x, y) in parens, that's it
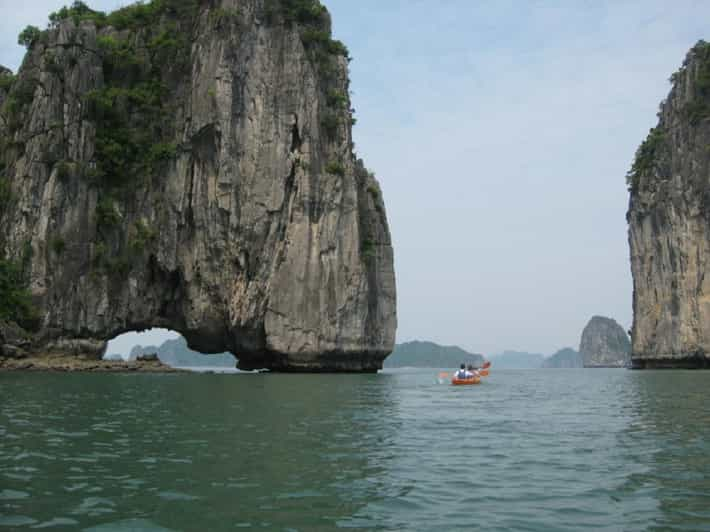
(12, 351)
(604, 344)
(260, 233)
(14, 341)
(669, 226)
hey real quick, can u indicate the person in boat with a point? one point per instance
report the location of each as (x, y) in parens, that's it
(472, 371)
(462, 373)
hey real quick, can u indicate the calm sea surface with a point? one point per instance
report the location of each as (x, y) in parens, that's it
(526, 450)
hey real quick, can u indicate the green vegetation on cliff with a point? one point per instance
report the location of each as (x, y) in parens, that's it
(133, 16)
(646, 157)
(15, 301)
(133, 111)
(314, 25)
(314, 28)
(5, 193)
(695, 110)
(698, 108)
(29, 36)
(6, 80)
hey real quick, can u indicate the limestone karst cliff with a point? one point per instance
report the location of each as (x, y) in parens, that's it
(189, 164)
(669, 225)
(604, 344)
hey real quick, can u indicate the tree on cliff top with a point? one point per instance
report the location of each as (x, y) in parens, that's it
(29, 36)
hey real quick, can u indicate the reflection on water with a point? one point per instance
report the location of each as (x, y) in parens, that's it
(669, 438)
(533, 450)
(189, 452)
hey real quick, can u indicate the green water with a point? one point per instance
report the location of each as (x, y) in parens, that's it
(526, 450)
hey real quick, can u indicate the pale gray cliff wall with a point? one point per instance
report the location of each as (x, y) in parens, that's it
(247, 225)
(669, 226)
(604, 344)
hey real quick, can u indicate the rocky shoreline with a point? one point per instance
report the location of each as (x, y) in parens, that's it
(62, 363)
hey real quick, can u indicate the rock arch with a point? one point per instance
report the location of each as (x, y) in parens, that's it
(248, 225)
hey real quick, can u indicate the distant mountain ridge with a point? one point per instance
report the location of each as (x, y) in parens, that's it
(564, 358)
(176, 353)
(422, 354)
(417, 353)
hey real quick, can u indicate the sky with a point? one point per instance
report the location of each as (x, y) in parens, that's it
(501, 132)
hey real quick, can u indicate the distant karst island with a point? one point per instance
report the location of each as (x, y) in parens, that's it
(603, 344)
(176, 353)
(564, 358)
(423, 354)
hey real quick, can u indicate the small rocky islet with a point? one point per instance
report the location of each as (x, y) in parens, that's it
(604, 344)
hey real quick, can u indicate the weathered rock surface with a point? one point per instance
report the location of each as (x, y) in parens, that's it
(604, 344)
(564, 358)
(669, 226)
(209, 188)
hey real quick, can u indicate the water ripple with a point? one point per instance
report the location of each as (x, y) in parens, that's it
(528, 450)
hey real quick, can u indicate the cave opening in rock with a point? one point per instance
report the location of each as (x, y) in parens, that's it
(168, 345)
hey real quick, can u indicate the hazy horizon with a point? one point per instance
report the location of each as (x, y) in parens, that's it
(122, 345)
(501, 133)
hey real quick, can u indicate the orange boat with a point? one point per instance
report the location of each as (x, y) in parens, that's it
(483, 372)
(464, 382)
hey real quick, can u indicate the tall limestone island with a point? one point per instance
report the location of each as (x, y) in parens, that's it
(189, 164)
(669, 226)
(604, 344)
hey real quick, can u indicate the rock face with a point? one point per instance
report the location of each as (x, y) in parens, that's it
(190, 165)
(604, 344)
(669, 226)
(564, 358)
